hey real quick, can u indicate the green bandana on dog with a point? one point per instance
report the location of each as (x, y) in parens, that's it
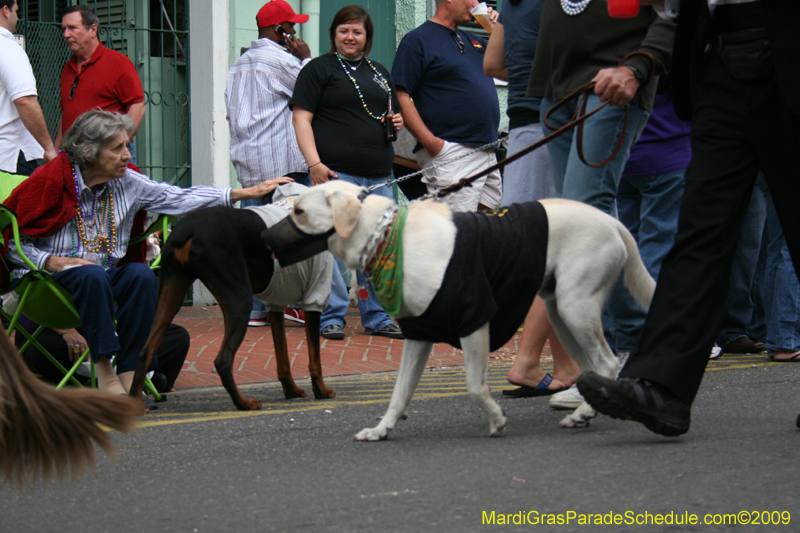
(387, 268)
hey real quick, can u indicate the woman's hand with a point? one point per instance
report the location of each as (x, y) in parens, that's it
(56, 263)
(258, 191)
(616, 85)
(76, 344)
(320, 173)
(397, 120)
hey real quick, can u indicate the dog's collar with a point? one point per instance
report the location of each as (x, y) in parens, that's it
(363, 194)
(377, 239)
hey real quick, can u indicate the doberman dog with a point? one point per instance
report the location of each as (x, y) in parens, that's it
(223, 248)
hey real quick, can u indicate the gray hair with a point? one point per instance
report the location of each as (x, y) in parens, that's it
(88, 16)
(91, 132)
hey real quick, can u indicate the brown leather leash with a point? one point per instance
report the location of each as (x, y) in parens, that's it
(578, 119)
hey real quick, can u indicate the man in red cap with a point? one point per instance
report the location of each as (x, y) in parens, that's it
(259, 86)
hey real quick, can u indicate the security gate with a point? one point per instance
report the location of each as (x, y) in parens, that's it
(154, 35)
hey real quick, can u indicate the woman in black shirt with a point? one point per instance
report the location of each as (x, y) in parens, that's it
(339, 106)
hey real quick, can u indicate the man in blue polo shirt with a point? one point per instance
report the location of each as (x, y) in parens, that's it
(449, 104)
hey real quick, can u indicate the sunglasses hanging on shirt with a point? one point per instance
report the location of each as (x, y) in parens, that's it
(459, 42)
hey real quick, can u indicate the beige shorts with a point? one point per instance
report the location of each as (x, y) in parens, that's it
(486, 190)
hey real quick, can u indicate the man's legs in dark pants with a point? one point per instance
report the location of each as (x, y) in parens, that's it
(737, 128)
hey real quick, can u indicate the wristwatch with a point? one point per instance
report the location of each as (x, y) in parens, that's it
(636, 73)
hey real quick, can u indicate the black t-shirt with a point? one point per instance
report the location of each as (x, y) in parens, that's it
(347, 138)
(495, 271)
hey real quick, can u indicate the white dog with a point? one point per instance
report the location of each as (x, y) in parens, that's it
(578, 257)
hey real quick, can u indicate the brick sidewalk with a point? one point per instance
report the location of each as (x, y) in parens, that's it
(255, 361)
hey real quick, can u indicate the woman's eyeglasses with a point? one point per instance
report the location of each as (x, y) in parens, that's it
(78, 78)
(459, 42)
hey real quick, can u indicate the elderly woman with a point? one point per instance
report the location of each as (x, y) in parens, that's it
(339, 106)
(78, 211)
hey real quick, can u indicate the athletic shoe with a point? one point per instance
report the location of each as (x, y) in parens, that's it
(333, 332)
(295, 315)
(258, 322)
(639, 400)
(392, 331)
(566, 399)
(716, 351)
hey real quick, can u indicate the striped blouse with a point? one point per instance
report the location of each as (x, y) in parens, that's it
(132, 193)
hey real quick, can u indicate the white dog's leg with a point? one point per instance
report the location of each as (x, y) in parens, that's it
(582, 336)
(412, 363)
(476, 360)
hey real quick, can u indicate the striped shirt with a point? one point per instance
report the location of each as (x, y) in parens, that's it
(132, 193)
(263, 142)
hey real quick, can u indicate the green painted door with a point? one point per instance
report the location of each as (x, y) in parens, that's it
(382, 14)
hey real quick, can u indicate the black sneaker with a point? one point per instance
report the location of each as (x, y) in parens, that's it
(639, 400)
(333, 332)
(392, 331)
(159, 382)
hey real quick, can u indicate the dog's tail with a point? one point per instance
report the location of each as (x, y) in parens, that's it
(637, 278)
(44, 431)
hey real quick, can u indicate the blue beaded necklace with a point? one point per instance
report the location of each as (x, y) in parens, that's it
(358, 89)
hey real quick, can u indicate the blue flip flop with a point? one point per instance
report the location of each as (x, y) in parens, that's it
(531, 392)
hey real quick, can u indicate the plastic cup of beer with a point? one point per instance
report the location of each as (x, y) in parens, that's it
(481, 14)
(623, 9)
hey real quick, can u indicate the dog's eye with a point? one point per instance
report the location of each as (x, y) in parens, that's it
(298, 211)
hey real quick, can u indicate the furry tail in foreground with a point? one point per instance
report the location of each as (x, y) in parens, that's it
(638, 280)
(46, 431)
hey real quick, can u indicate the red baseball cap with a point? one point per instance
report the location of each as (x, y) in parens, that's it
(276, 12)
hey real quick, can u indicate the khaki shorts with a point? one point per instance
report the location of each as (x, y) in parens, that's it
(486, 190)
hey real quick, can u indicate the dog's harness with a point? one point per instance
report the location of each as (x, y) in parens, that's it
(378, 237)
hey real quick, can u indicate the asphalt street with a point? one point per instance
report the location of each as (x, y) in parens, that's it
(198, 465)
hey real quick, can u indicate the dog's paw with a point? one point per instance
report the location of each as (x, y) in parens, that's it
(322, 394)
(321, 391)
(497, 430)
(372, 434)
(248, 404)
(572, 421)
(296, 392)
(580, 418)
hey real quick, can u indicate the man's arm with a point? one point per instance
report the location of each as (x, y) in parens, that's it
(33, 118)
(136, 112)
(494, 59)
(416, 126)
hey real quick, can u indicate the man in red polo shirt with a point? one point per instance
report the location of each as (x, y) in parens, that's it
(95, 76)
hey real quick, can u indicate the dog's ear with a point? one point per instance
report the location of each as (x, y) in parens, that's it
(345, 208)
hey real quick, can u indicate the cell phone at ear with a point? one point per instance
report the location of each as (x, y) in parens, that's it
(279, 30)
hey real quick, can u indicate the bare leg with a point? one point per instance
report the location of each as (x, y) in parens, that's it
(526, 369)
